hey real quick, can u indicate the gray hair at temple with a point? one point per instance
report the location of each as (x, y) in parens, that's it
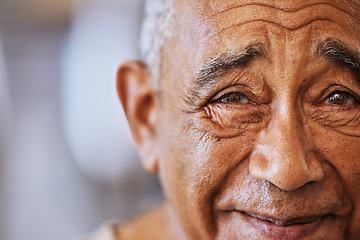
(155, 30)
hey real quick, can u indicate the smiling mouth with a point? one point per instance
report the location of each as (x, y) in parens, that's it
(275, 228)
(285, 223)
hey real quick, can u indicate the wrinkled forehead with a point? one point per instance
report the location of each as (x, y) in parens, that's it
(285, 5)
(283, 12)
(215, 25)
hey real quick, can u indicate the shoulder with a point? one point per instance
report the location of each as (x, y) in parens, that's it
(106, 232)
(154, 225)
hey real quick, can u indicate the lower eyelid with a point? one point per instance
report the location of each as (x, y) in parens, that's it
(342, 121)
(234, 106)
(235, 114)
(336, 115)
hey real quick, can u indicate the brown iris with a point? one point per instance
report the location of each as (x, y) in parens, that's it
(339, 98)
(234, 98)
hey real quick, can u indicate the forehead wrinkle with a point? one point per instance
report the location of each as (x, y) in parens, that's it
(290, 20)
(294, 7)
(279, 25)
(288, 10)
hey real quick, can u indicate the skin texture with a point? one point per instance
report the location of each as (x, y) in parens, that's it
(255, 132)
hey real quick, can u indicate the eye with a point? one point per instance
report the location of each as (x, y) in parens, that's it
(340, 98)
(234, 98)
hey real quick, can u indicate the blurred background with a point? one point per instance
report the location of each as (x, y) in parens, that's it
(67, 163)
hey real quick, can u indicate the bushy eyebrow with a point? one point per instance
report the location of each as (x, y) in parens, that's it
(221, 65)
(337, 52)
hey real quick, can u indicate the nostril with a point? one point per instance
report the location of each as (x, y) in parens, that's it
(311, 183)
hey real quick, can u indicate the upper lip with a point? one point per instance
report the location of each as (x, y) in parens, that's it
(287, 222)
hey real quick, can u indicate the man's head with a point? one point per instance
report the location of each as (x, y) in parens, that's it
(255, 128)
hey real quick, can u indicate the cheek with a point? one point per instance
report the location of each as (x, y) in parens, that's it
(207, 158)
(342, 152)
(194, 166)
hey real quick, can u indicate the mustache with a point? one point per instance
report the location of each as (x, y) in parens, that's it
(262, 198)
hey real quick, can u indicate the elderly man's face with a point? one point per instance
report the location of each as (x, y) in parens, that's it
(258, 131)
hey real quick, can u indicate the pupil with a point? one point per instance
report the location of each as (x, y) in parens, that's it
(234, 98)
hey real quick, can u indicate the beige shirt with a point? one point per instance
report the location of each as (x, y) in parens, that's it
(106, 232)
(153, 225)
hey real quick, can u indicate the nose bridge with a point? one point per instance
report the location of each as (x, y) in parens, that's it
(282, 156)
(285, 135)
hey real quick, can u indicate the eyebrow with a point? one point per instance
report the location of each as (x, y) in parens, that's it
(337, 52)
(219, 66)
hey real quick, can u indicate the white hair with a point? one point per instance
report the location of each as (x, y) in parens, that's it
(155, 31)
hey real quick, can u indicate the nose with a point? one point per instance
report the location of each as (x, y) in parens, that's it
(282, 155)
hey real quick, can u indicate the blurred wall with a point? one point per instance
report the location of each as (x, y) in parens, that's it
(102, 35)
(5, 125)
(61, 58)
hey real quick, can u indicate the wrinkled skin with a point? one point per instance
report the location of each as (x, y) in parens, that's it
(268, 148)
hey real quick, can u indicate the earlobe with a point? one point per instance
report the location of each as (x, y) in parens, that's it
(138, 98)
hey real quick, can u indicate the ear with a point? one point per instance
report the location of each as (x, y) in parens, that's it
(138, 98)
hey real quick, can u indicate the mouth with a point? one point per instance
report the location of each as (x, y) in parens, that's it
(285, 223)
(274, 228)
